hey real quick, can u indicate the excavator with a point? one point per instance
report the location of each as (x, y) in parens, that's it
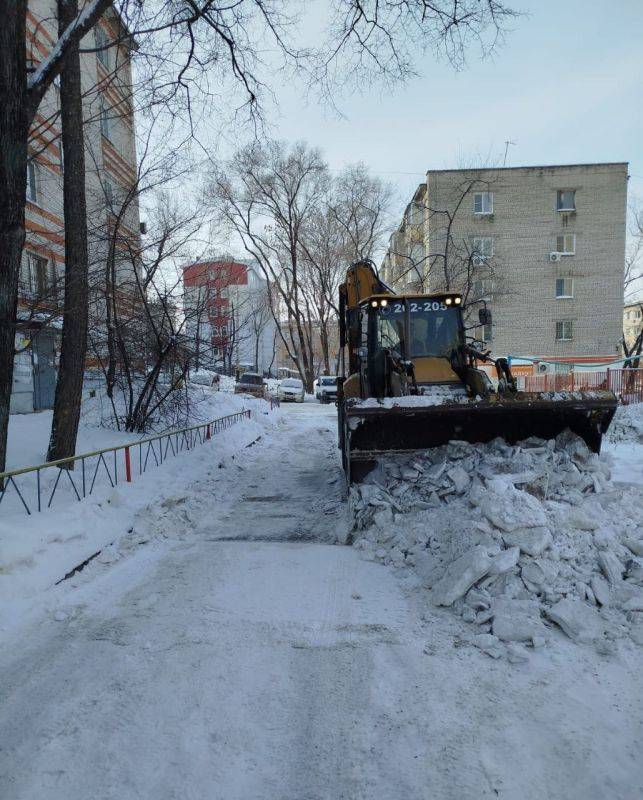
(412, 380)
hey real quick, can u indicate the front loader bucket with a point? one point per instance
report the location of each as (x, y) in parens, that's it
(371, 431)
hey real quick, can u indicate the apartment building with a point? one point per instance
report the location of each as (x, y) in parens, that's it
(632, 322)
(543, 246)
(228, 320)
(287, 366)
(111, 171)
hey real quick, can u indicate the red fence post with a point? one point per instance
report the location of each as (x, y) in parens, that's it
(128, 466)
(207, 433)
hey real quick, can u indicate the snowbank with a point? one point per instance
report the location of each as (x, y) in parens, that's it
(627, 425)
(38, 550)
(515, 540)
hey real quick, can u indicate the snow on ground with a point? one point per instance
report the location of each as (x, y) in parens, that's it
(226, 647)
(38, 549)
(623, 444)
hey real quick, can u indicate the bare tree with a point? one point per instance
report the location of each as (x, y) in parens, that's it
(184, 47)
(69, 385)
(266, 194)
(633, 278)
(349, 224)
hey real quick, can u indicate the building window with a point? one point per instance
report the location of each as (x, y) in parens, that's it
(566, 244)
(482, 248)
(224, 292)
(483, 203)
(215, 330)
(564, 287)
(566, 200)
(32, 182)
(38, 276)
(224, 330)
(105, 122)
(564, 330)
(101, 40)
(482, 290)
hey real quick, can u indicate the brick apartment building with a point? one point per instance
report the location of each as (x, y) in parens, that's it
(228, 319)
(544, 246)
(111, 170)
(632, 322)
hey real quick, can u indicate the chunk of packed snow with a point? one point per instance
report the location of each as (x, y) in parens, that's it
(581, 622)
(533, 524)
(461, 575)
(533, 541)
(517, 620)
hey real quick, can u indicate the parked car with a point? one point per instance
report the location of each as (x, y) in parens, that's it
(250, 383)
(326, 389)
(205, 377)
(291, 389)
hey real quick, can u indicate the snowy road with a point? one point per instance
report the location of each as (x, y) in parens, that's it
(247, 656)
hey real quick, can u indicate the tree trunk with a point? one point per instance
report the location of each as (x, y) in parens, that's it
(69, 386)
(14, 127)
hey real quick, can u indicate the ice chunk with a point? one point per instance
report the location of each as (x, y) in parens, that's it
(577, 518)
(611, 566)
(489, 644)
(516, 654)
(533, 541)
(460, 576)
(635, 545)
(601, 589)
(505, 560)
(509, 509)
(460, 478)
(516, 620)
(581, 622)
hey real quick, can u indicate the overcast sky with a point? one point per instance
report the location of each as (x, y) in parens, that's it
(566, 88)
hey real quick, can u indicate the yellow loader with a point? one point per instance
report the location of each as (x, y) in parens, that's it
(410, 380)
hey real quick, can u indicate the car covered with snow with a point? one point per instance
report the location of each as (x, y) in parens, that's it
(250, 383)
(291, 389)
(205, 377)
(326, 388)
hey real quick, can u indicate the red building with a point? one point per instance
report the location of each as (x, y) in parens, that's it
(208, 307)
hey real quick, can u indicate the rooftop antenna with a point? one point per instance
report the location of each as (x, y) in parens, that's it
(507, 143)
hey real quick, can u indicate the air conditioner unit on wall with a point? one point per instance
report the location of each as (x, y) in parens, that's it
(555, 256)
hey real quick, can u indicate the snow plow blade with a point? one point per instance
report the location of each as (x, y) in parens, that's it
(371, 431)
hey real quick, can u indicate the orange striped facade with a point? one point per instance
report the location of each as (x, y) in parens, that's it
(43, 219)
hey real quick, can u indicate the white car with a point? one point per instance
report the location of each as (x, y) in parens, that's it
(326, 389)
(205, 377)
(291, 389)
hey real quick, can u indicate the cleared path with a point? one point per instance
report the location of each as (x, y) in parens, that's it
(248, 657)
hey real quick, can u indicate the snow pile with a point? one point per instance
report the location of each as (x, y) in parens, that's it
(627, 425)
(515, 539)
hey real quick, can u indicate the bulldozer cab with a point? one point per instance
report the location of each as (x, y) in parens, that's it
(414, 339)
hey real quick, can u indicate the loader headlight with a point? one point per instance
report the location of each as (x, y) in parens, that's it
(374, 303)
(458, 300)
(383, 303)
(448, 301)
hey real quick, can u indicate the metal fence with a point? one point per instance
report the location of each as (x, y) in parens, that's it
(627, 384)
(36, 487)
